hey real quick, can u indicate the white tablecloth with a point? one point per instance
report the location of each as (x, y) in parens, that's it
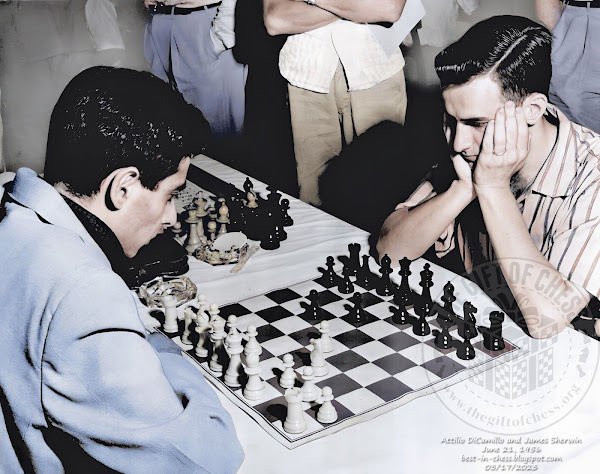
(547, 397)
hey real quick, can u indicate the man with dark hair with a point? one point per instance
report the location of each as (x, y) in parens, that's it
(524, 198)
(84, 387)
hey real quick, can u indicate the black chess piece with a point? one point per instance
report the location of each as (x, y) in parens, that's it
(285, 205)
(492, 336)
(331, 278)
(420, 326)
(385, 286)
(400, 315)
(363, 276)
(465, 350)
(248, 187)
(426, 306)
(354, 259)
(269, 239)
(345, 286)
(443, 339)
(448, 298)
(403, 293)
(315, 310)
(467, 329)
(358, 311)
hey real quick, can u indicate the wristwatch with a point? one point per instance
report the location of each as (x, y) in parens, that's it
(311, 2)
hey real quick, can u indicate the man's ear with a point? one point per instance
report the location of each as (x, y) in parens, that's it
(120, 185)
(534, 107)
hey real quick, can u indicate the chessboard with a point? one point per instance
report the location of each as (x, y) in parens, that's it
(373, 363)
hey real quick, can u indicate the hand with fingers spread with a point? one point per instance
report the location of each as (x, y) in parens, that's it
(504, 148)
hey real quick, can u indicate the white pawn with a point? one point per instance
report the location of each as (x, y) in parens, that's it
(255, 388)
(189, 316)
(216, 336)
(233, 324)
(252, 346)
(317, 360)
(201, 304)
(310, 392)
(233, 344)
(170, 304)
(213, 310)
(288, 377)
(202, 328)
(327, 412)
(294, 420)
(326, 342)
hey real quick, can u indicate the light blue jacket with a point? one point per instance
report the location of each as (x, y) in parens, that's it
(81, 385)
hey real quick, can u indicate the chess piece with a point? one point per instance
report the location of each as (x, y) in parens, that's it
(345, 286)
(189, 316)
(492, 336)
(285, 206)
(193, 241)
(327, 412)
(326, 341)
(213, 310)
(363, 274)
(233, 346)
(317, 359)
(255, 387)
(201, 305)
(212, 230)
(400, 315)
(357, 311)
(170, 304)
(385, 286)
(310, 392)
(177, 231)
(403, 294)
(467, 329)
(354, 259)
(448, 298)
(425, 305)
(202, 328)
(252, 346)
(269, 239)
(200, 203)
(294, 420)
(465, 350)
(442, 339)
(314, 309)
(219, 354)
(330, 276)
(288, 377)
(421, 326)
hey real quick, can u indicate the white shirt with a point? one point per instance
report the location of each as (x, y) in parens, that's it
(309, 60)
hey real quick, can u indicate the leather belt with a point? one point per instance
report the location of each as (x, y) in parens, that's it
(579, 3)
(159, 8)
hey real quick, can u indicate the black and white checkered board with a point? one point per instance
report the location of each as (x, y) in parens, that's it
(375, 366)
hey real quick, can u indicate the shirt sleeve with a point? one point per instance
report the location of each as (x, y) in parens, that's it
(121, 403)
(222, 30)
(424, 192)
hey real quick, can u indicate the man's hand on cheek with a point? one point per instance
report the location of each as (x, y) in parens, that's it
(504, 148)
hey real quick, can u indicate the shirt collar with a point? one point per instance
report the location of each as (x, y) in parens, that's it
(103, 236)
(556, 174)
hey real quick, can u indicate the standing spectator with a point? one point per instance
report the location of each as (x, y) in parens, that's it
(188, 43)
(575, 85)
(345, 74)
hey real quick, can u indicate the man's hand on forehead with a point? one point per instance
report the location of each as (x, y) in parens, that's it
(504, 147)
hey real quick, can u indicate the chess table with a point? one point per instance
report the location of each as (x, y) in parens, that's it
(537, 412)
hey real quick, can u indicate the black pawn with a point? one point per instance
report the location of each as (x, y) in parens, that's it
(330, 276)
(421, 326)
(287, 220)
(385, 287)
(315, 308)
(442, 340)
(465, 350)
(400, 314)
(358, 311)
(345, 286)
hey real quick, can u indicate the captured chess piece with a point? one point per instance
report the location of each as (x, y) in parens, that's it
(492, 336)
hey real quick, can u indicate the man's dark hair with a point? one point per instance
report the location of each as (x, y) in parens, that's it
(109, 118)
(513, 49)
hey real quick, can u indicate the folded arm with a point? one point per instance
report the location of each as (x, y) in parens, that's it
(549, 12)
(296, 16)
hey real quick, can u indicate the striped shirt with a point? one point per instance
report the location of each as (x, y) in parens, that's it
(560, 207)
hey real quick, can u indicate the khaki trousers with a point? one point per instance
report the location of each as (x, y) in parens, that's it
(323, 123)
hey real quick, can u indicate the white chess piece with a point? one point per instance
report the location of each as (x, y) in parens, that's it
(201, 305)
(213, 310)
(170, 304)
(294, 420)
(327, 412)
(326, 342)
(255, 387)
(252, 346)
(189, 316)
(233, 344)
(310, 391)
(288, 377)
(317, 360)
(202, 328)
(216, 336)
